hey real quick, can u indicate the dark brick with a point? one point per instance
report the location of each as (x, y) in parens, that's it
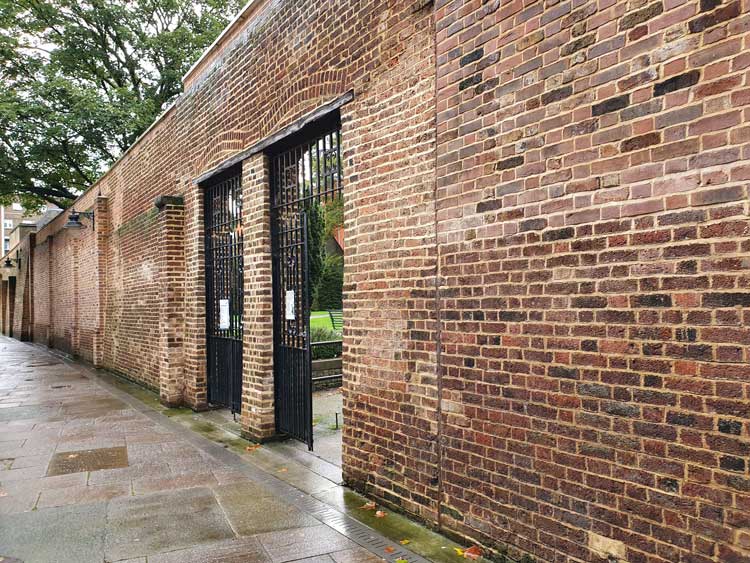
(669, 485)
(720, 300)
(692, 216)
(489, 205)
(558, 234)
(557, 95)
(589, 302)
(594, 390)
(622, 409)
(562, 372)
(708, 5)
(472, 57)
(678, 82)
(511, 162)
(640, 142)
(681, 419)
(533, 225)
(686, 334)
(727, 426)
(731, 463)
(721, 15)
(512, 316)
(469, 82)
(578, 44)
(632, 19)
(652, 300)
(610, 105)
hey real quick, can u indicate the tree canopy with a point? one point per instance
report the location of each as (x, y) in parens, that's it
(80, 80)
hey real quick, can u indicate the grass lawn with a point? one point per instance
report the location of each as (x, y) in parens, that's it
(320, 319)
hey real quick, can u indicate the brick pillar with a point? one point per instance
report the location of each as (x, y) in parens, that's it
(257, 417)
(26, 273)
(101, 240)
(194, 344)
(51, 290)
(172, 298)
(3, 303)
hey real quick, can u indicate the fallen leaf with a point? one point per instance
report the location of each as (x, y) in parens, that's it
(368, 506)
(283, 470)
(459, 551)
(405, 542)
(389, 549)
(474, 552)
(380, 514)
(252, 448)
(401, 561)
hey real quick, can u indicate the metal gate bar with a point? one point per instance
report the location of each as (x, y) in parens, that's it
(224, 289)
(301, 176)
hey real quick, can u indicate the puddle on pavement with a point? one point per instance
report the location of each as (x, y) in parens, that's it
(64, 463)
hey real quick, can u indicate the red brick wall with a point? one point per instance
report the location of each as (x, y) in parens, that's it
(592, 165)
(390, 389)
(546, 279)
(41, 291)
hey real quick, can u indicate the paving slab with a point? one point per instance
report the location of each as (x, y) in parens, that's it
(251, 511)
(68, 534)
(145, 525)
(291, 545)
(67, 462)
(243, 550)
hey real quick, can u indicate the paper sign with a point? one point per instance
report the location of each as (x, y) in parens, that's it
(223, 314)
(291, 314)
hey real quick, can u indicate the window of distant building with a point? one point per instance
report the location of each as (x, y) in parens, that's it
(8, 223)
(17, 207)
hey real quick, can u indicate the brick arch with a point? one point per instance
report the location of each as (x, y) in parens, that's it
(221, 147)
(302, 96)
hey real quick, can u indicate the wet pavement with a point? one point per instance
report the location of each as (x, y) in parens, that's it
(93, 469)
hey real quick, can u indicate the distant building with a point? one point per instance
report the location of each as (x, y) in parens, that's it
(13, 215)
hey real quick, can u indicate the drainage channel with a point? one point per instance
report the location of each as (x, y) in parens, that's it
(331, 516)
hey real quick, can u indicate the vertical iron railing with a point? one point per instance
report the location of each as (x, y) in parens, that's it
(301, 176)
(224, 290)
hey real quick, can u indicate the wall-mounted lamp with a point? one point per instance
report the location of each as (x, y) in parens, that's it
(9, 262)
(74, 219)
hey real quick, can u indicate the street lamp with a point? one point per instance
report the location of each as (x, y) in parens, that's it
(74, 219)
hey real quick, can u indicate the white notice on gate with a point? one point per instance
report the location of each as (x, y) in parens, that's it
(223, 314)
(291, 314)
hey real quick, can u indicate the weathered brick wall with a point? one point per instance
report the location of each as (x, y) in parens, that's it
(266, 76)
(390, 388)
(546, 279)
(593, 167)
(41, 293)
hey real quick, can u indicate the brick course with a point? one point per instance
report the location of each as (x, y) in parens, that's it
(546, 340)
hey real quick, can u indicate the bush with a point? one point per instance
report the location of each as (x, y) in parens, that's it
(328, 293)
(329, 350)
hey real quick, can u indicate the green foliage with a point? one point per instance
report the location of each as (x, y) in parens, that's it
(315, 244)
(329, 350)
(334, 212)
(328, 293)
(80, 80)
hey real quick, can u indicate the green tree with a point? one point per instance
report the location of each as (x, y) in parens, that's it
(315, 244)
(330, 288)
(80, 80)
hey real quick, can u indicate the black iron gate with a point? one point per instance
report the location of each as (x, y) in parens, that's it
(224, 290)
(302, 176)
